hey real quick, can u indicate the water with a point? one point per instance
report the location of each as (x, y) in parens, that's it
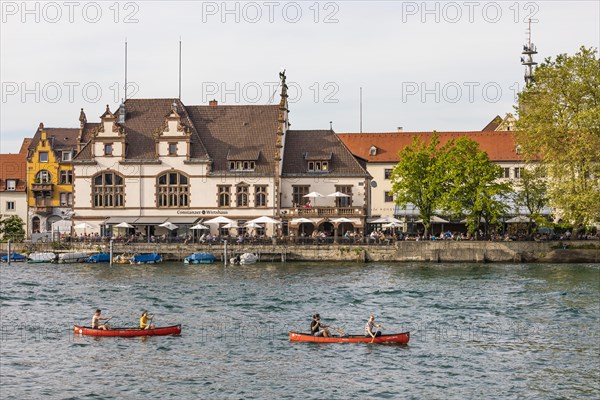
(501, 331)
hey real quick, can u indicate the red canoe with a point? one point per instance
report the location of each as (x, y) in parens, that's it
(398, 338)
(128, 332)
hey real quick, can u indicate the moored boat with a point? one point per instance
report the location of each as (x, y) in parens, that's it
(122, 259)
(98, 258)
(14, 257)
(72, 257)
(152, 258)
(200, 258)
(128, 332)
(244, 259)
(398, 338)
(41, 257)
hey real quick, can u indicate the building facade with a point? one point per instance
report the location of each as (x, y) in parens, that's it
(380, 150)
(159, 160)
(13, 184)
(50, 177)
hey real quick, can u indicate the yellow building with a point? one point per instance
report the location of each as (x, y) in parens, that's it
(50, 177)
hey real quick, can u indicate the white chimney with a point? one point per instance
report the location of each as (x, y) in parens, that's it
(400, 129)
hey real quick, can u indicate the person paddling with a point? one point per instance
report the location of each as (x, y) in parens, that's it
(370, 330)
(144, 320)
(96, 321)
(317, 328)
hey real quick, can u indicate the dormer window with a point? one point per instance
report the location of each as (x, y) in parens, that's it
(67, 155)
(108, 149)
(172, 149)
(373, 151)
(11, 184)
(242, 165)
(318, 166)
(518, 149)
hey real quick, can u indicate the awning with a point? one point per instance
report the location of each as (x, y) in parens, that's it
(183, 220)
(149, 220)
(118, 220)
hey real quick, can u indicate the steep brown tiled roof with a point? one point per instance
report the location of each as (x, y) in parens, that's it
(25, 146)
(238, 130)
(60, 138)
(143, 117)
(85, 153)
(500, 146)
(325, 142)
(493, 124)
(13, 166)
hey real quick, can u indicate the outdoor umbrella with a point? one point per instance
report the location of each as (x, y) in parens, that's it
(83, 225)
(264, 220)
(386, 220)
(521, 219)
(392, 225)
(301, 221)
(338, 194)
(123, 225)
(313, 195)
(169, 225)
(341, 220)
(199, 227)
(231, 225)
(219, 220)
(252, 225)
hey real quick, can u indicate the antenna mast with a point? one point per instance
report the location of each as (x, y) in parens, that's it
(125, 69)
(529, 50)
(361, 109)
(180, 68)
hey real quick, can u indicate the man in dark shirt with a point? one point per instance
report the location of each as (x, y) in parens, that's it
(317, 328)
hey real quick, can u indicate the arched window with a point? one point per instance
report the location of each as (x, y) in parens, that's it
(173, 190)
(108, 189)
(43, 176)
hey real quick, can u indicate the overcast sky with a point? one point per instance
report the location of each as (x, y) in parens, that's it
(422, 65)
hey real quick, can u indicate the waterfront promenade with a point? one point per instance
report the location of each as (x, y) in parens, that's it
(570, 251)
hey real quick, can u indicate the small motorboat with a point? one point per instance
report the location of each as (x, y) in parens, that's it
(41, 257)
(98, 258)
(14, 257)
(244, 259)
(128, 332)
(398, 338)
(72, 257)
(122, 259)
(151, 258)
(200, 258)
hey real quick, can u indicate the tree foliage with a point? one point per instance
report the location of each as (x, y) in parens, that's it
(456, 177)
(532, 193)
(419, 177)
(559, 126)
(473, 186)
(12, 228)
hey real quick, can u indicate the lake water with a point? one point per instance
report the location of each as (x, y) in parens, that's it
(492, 331)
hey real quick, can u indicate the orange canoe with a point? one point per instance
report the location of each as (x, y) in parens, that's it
(128, 332)
(399, 338)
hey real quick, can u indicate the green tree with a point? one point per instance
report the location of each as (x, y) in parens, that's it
(12, 228)
(532, 193)
(419, 177)
(559, 126)
(473, 187)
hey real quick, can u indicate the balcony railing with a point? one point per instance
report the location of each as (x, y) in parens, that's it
(41, 187)
(43, 205)
(325, 212)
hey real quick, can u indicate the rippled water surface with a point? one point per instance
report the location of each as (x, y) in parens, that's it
(489, 331)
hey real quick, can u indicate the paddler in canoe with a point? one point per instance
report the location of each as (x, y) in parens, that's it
(96, 321)
(371, 328)
(317, 328)
(144, 320)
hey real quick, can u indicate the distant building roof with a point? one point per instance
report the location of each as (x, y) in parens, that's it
(499, 146)
(59, 138)
(493, 124)
(14, 166)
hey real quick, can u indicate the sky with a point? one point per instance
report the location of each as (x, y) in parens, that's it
(422, 65)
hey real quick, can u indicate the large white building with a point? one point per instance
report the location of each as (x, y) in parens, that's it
(158, 160)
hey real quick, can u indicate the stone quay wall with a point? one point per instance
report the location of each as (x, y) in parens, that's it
(403, 251)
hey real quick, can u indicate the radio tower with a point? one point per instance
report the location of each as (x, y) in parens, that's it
(529, 50)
